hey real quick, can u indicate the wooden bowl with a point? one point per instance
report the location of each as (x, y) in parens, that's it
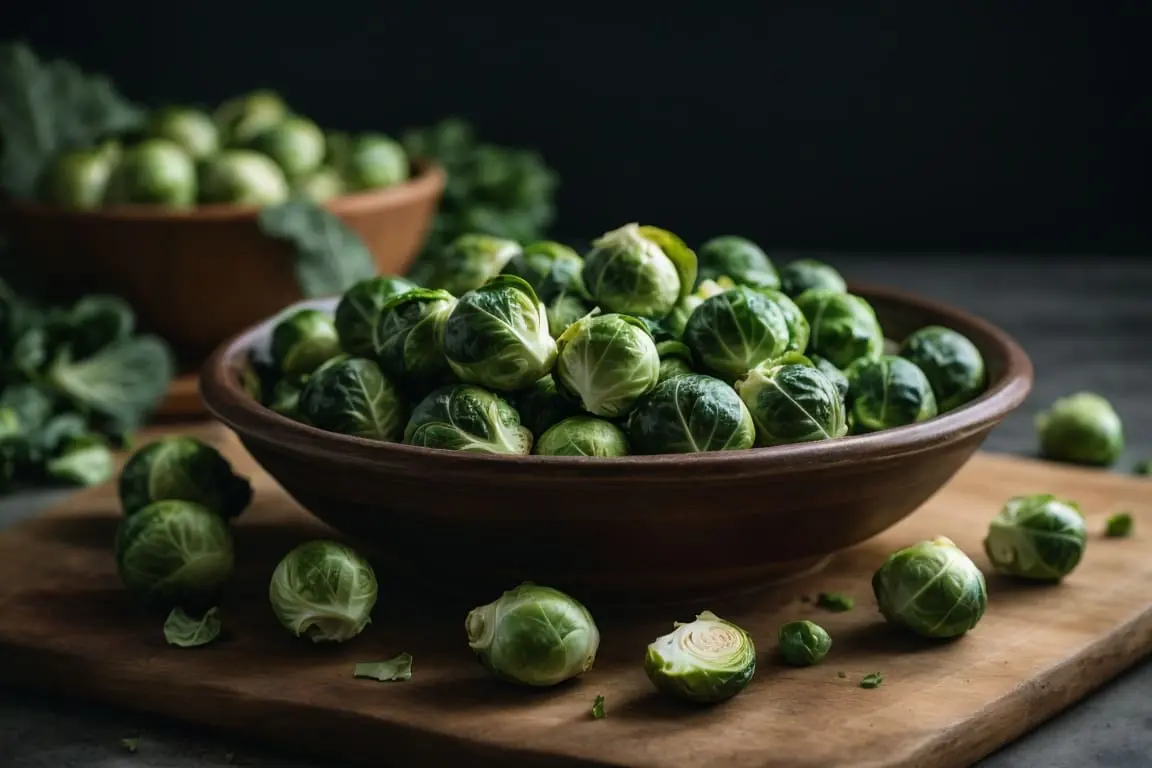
(653, 528)
(197, 277)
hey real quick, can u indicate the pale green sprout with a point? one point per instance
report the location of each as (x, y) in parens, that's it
(467, 263)
(607, 362)
(639, 270)
(792, 403)
(1038, 537)
(582, 436)
(843, 327)
(804, 643)
(463, 417)
(932, 589)
(323, 591)
(303, 340)
(185, 631)
(1082, 429)
(705, 661)
(183, 468)
(734, 331)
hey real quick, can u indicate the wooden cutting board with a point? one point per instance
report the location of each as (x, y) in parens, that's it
(66, 626)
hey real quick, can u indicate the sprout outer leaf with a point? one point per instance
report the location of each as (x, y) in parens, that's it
(396, 669)
(186, 631)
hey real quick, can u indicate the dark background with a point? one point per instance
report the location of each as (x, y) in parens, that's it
(962, 126)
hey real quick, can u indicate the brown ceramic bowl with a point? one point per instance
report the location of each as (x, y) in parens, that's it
(200, 276)
(668, 527)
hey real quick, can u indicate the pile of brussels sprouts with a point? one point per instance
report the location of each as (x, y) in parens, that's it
(251, 150)
(642, 346)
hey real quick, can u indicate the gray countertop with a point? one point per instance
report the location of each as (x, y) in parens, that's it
(1085, 321)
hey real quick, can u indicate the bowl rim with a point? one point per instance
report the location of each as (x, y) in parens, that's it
(229, 403)
(428, 181)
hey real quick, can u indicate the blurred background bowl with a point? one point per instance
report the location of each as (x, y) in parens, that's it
(640, 528)
(197, 277)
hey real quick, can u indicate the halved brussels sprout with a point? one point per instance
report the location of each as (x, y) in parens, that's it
(78, 178)
(533, 635)
(804, 274)
(296, 144)
(1039, 537)
(834, 374)
(303, 340)
(639, 270)
(675, 359)
(183, 469)
(550, 268)
(242, 177)
(690, 414)
(352, 397)
(564, 310)
(468, 262)
(953, 365)
(607, 362)
(192, 129)
(705, 661)
(357, 315)
(323, 591)
(737, 258)
(804, 643)
(734, 331)
(671, 328)
(174, 553)
(373, 161)
(1082, 429)
(582, 436)
(542, 406)
(320, 186)
(242, 117)
(461, 417)
(792, 404)
(843, 327)
(798, 329)
(497, 336)
(931, 588)
(155, 171)
(887, 392)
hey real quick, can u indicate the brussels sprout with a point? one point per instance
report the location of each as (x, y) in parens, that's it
(888, 392)
(320, 186)
(352, 397)
(533, 635)
(189, 128)
(175, 553)
(931, 588)
(357, 315)
(550, 268)
(296, 144)
(243, 117)
(564, 310)
(408, 339)
(242, 177)
(792, 404)
(734, 331)
(182, 469)
(803, 643)
(639, 270)
(497, 336)
(1037, 537)
(468, 262)
(542, 406)
(834, 374)
(1082, 429)
(372, 161)
(461, 417)
(953, 365)
(607, 362)
(843, 327)
(739, 259)
(582, 436)
(323, 591)
(302, 340)
(155, 171)
(690, 414)
(675, 359)
(285, 398)
(804, 274)
(798, 328)
(671, 328)
(78, 179)
(705, 661)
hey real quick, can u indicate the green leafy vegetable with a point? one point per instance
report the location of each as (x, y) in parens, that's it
(1119, 526)
(393, 670)
(598, 708)
(121, 381)
(834, 601)
(189, 631)
(330, 257)
(872, 680)
(84, 461)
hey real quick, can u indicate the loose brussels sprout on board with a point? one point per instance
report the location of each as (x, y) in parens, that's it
(734, 331)
(804, 643)
(1082, 429)
(639, 270)
(357, 315)
(843, 327)
(607, 363)
(803, 274)
(887, 392)
(187, 127)
(705, 661)
(792, 404)
(323, 591)
(542, 406)
(242, 177)
(690, 414)
(352, 397)
(155, 171)
(738, 259)
(932, 589)
(303, 341)
(1038, 537)
(533, 635)
(185, 469)
(953, 365)
(582, 436)
(462, 417)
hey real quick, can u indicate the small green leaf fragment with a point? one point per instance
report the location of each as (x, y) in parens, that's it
(130, 744)
(834, 601)
(598, 708)
(1119, 526)
(392, 670)
(841, 675)
(872, 680)
(1143, 467)
(186, 631)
